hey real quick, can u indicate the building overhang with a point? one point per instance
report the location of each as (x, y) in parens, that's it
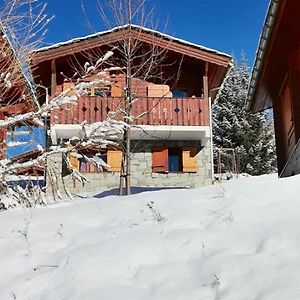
(263, 47)
(279, 39)
(182, 55)
(171, 132)
(142, 132)
(141, 33)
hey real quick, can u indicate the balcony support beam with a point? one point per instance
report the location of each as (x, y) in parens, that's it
(53, 78)
(205, 83)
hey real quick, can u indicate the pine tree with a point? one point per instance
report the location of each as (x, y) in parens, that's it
(251, 135)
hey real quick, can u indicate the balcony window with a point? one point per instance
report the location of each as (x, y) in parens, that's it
(180, 93)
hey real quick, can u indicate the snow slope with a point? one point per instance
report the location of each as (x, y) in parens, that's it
(235, 241)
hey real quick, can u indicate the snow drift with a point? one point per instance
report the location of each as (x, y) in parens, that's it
(238, 240)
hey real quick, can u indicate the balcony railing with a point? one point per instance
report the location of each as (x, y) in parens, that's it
(146, 110)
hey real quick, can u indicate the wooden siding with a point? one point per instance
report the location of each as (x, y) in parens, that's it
(140, 34)
(292, 166)
(286, 128)
(161, 111)
(278, 83)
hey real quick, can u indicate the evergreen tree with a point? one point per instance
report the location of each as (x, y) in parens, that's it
(251, 135)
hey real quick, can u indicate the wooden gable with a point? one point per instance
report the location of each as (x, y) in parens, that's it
(139, 33)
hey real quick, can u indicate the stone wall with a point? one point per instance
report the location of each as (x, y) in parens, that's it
(141, 169)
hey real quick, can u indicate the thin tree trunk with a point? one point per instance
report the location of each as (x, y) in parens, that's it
(128, 107)
(128, 175)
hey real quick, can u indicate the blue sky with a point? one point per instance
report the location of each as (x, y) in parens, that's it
(231, 26)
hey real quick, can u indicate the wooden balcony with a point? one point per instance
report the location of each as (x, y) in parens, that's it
(152, 111)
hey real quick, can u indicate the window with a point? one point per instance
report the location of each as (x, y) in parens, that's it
(86, 166)
(102, 91)
(179, 93)
(174, 160)
(112, 157)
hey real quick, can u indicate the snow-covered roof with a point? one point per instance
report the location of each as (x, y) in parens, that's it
(148, 30)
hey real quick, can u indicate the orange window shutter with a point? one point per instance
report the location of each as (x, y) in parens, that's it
(114, 160)
(116, 91)
(160, 159)
(69, 85)
(92, 167)
(74, 162)
(189, 160)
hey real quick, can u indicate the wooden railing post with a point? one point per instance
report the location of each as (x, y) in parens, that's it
(205, 83)
(53, 78)
(206, 95)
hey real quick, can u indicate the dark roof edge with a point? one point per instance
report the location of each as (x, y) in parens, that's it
(263, 44)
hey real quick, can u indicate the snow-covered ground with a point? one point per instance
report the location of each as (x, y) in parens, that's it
(235, 241)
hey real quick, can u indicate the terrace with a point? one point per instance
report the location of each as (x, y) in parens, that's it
(145, 110)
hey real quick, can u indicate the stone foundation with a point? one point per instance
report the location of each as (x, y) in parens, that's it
(141, 170)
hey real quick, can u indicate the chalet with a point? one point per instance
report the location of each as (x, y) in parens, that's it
(275, 81)
(171, 143)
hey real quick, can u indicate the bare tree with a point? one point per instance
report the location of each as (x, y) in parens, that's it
(138, 61)
(97, 135)
(23, 26)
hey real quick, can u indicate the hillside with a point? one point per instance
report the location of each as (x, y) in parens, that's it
(239, 240)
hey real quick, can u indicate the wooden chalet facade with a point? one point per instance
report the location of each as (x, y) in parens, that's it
(172, 141)
(275, 80)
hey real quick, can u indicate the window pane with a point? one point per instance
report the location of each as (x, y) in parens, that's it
(175, 160)
(179, 94)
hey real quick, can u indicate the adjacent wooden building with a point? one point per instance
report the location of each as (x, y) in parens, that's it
(15, 90)
(275, 81)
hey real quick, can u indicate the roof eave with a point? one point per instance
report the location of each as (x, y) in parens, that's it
(225, 56)
(262, 49)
